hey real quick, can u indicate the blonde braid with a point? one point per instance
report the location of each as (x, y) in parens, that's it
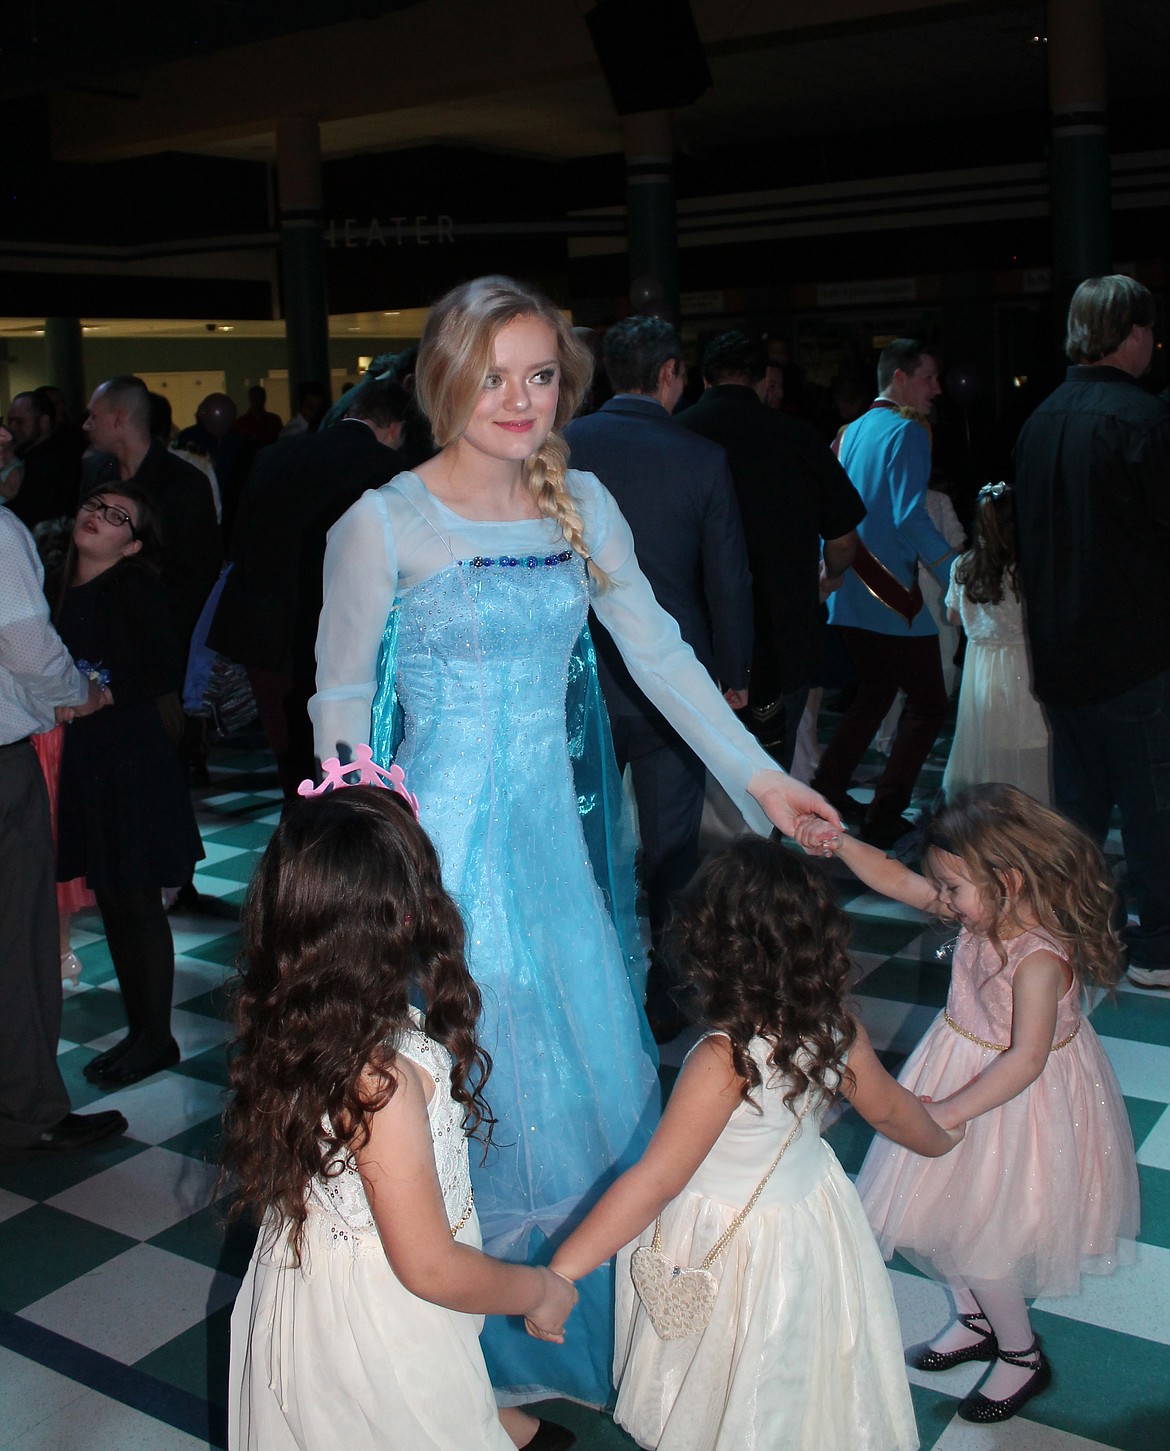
(546, 471)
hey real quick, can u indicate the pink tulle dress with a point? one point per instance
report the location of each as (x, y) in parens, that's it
(1044, 1188)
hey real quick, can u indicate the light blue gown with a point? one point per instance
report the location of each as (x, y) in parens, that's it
(463, 639)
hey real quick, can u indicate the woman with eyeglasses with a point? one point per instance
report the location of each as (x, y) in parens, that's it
(125, 821)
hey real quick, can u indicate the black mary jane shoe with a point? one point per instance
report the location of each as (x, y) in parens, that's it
(985, 1349)
(982, 1409)
(551, 1437)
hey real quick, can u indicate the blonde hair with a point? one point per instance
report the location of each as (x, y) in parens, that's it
(454, 358)
(1000, 833)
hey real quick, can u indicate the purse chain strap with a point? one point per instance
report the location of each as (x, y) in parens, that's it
(733, 1228)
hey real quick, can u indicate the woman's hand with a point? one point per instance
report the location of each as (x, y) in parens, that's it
(810, 837)
(546, 1321)
(786, 801)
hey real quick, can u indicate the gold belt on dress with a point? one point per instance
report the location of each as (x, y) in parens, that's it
(1003, 1047)
(465, 1216)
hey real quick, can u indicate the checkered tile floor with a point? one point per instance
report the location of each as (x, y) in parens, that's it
(119, 1272)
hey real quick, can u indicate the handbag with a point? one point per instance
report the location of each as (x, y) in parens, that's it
(678, 1300)
(228, 698)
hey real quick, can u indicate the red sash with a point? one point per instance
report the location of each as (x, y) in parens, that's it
(885, 587)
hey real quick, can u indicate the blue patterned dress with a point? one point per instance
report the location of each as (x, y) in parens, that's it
(453, 645)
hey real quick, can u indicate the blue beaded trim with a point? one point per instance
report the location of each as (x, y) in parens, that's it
(509, 561)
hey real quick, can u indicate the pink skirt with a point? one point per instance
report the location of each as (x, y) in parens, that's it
(1042, 1190)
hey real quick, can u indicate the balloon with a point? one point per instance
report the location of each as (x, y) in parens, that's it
(962, 382)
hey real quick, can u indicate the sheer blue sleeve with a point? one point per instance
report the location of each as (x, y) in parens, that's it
(360, 582)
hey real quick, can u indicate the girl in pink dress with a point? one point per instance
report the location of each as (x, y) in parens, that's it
(1044, 1187)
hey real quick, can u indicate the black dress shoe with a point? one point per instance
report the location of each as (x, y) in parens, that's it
(121, 1074)
(94, 1069)
(551, 1437)
(985, 1349)
(79, 1130)
(982, 1409)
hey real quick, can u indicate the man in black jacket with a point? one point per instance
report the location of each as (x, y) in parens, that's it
(792, 495)
(675, 493)
(1093, 504)
(267, 614)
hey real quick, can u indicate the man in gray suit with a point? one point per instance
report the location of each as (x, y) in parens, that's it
(675, 491)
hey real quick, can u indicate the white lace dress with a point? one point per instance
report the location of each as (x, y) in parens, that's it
(335, 1352)
(1001, 732)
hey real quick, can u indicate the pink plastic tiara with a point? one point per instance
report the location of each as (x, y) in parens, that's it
(369, 773)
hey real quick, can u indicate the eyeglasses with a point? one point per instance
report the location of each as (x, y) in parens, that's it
(110, 513)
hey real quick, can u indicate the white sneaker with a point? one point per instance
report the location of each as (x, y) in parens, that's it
(1149, 976)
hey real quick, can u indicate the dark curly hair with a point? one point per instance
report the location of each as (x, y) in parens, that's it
(762, 946)
(346, 918)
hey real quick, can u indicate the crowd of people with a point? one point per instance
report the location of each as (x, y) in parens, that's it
(477, 584)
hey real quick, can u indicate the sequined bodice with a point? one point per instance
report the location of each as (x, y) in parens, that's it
(980, 997)
(339, 1200)
(483, 659)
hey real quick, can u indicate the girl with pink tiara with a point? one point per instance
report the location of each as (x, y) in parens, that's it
(357, 1324)
(1044, 1187)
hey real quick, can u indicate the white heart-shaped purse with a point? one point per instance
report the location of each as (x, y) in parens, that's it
(679, 1301)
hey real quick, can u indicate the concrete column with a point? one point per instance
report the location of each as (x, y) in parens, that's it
(302, 252)
(651, 219)
(1079, 164)
(63, 356)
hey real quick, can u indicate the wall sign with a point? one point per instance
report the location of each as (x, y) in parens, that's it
(419, 231)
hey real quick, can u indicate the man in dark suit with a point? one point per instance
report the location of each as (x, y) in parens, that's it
(675, 491)
(267, 616)
(793, 494)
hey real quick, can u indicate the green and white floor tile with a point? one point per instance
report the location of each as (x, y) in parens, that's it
(120, 1271)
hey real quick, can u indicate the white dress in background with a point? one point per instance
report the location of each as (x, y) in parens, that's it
(337, 1353)
(803, 1350)
(1001, 733)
